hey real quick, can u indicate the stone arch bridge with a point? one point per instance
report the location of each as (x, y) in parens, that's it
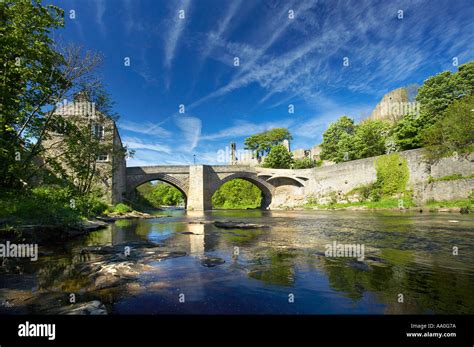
(199, 182)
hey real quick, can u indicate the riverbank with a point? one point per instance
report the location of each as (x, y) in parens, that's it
(454, 206)
(50, 233)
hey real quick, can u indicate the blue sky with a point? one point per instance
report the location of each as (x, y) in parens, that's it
(282, 60)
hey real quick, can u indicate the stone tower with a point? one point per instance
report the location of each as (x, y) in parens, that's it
(392, 106)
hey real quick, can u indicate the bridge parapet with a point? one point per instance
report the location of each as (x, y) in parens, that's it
(174, 169)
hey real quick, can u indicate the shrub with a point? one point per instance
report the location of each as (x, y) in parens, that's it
(91, 205)
(392, 175)
(305, 163)
(122, 208)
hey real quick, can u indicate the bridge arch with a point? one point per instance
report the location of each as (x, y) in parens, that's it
(134, 181)
(266, 188)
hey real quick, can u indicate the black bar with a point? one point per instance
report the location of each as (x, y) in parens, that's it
(290, 330)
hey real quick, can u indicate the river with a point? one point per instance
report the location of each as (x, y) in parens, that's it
(408, 266)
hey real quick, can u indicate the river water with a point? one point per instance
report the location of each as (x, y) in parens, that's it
(408, 265)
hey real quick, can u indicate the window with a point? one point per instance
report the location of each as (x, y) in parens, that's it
(98, 131)
(103, 157)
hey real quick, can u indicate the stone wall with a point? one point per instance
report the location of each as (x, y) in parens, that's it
(447, 190)
(333, 182)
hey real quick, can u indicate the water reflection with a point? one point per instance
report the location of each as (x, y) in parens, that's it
(253, 271)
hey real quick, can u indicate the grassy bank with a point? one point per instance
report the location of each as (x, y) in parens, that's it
(381, 204)
(52, 207)
(465, 205)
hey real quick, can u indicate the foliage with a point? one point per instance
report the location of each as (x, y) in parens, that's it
(48, 205)
(363, 191)
(122, 208)
(469, 203)
(454, 132)
(278, 158)
(369, 138)
(337, 140)
(29, 74)
(344, 140)
(160, 194)
(237, 193)
(384, 203)
(407, 132)
(306, 163)
(167, 195)
(453, 177)
(262, 143)
(441, 90)
(392, 175)
(37, 75)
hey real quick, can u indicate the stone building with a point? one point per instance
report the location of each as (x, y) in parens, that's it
(313, 153)
(393, 106)
(110, 166)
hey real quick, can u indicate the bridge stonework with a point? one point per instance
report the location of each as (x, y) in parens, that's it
(198, 183)
(290, 188)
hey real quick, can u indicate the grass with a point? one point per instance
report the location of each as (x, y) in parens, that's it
(388, 203)
(48, 205)
(466, 204)
(451, 204)
(452, 177)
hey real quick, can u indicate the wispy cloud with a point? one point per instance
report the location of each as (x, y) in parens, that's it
(214, 37)
(136, 143)
(175, 32)
(99, 14)
(146, 128)
(191, 132)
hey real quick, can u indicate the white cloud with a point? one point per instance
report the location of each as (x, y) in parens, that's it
(175, 31)
(136, 143)
(146, 128)
(191, 131)
(99, 13)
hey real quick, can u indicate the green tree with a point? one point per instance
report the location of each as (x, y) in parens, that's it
(454, 132)
(369, 138)
(305, 163)
(37, 74)
(28, 64)
(435, 96)
(237, 193)
(407, 132)
(440, 91)
(338, 140)
(166, 195)
(278, 158)
(262, 143)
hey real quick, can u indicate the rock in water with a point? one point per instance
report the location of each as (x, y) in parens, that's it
(212, 261)
(88, 308)
(238, 225)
